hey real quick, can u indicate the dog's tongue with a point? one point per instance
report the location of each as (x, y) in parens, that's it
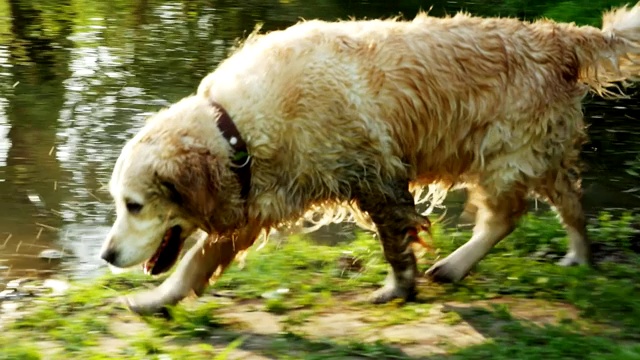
(147, 266)
(151, 263)
(167, 253)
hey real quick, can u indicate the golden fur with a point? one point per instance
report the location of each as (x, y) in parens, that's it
(338, 115)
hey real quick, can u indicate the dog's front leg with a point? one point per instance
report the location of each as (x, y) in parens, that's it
(210, 256)
(398, 224)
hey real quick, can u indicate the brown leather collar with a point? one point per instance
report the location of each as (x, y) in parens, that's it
(240, 160)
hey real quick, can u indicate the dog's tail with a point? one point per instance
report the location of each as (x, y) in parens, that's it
(611, 56)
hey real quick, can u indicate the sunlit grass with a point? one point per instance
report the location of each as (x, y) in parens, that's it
(317, 282)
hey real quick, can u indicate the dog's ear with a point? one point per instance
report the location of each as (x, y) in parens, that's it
(198, 182)
(191, 180)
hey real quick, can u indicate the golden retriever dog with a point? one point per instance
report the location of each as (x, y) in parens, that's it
(361, 120)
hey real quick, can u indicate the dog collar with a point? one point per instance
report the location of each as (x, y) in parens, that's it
(240, 160)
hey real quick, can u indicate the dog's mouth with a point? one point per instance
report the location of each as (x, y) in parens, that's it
(167, 253)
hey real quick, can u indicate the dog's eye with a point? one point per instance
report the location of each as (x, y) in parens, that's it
(133, 207)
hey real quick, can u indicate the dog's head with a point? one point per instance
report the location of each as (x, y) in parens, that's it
(172, 178)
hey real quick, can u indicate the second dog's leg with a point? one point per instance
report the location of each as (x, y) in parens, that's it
(495, 219)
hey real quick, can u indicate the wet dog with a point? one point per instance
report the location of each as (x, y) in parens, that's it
(358, 120)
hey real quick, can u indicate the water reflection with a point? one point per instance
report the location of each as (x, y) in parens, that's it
(5, 143)
(87, 74)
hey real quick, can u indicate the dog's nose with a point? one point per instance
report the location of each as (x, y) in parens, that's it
(109, 255)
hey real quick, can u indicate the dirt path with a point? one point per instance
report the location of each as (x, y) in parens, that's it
(394, 331)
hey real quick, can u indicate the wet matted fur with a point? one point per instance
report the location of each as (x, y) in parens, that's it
(357, 120)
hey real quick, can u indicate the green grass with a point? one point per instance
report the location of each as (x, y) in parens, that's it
(520, 270)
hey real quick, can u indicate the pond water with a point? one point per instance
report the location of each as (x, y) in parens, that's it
(78, 78)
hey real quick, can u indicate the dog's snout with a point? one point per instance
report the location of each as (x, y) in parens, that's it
(109, 255)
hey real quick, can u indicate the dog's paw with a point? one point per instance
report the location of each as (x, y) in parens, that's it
(389, 292)
(445, 272)
(145, 303)
(571, 259)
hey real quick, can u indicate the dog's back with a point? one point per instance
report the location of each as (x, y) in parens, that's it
(462, 97)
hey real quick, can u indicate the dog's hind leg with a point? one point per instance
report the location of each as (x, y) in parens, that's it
(496, 217)
(565, 196)
(398, 224)
(208, 258)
